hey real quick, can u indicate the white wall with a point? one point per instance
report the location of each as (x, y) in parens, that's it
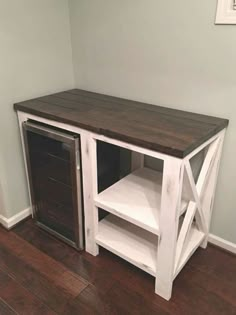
(166, 53)
(35, 59)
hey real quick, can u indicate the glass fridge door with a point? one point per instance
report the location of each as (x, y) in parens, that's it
(53, 161)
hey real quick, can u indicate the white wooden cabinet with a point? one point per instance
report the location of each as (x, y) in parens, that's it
(157, 219)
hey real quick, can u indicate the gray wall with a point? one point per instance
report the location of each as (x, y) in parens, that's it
(35, 59)
(167, 53)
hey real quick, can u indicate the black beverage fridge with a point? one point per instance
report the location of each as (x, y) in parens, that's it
(53, 160)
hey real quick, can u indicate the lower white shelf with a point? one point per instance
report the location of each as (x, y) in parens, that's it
(130, 242)
(138, 246)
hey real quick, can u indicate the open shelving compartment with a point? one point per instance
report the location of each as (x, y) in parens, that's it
(128, 241)
(130, 228)
(138, 246)
(132, 214)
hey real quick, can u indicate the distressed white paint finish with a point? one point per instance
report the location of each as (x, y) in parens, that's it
(199, 214)
(198, 207)
(203, 193)
(183, 237)
(131, 147)
(22, 117)
(26, 116)
(208, 194)
(89, 174)
(129, 242)
(195, 238)
(169, 221)
(136, 198)
(207, 164)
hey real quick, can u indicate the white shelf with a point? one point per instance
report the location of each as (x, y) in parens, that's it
(136, 198)
(128, 241)
(195, 239)
(137, 246)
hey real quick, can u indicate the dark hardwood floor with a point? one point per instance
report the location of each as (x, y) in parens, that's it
(41, 275)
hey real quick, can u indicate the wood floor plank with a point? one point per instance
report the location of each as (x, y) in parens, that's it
(17, 300)
(116, 301)
(119, 288)
(216, 261)
(85, 265)
(91, 301)
(5, 309)
(199, 298)
(48, 279)
(220, 286)
(47, 266)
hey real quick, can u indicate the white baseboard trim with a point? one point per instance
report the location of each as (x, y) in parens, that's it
(220, 242)
(10, 222)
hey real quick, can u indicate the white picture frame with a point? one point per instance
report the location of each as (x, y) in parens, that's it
(226, 12)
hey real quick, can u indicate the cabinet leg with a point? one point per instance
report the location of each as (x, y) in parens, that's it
(89, 177)
(168, 220)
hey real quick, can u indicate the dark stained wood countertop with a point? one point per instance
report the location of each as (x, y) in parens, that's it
(158, 128)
